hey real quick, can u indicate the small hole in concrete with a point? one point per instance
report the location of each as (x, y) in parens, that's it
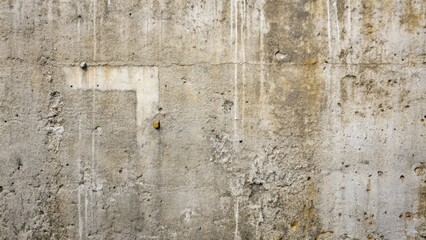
(71, 86)
(280, 56)
(294, 225)
(419, 171)
(120, 171)
(402, 177)
(241, 141)
(309, 178)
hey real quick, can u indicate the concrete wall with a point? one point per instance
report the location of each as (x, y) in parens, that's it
(296, 119)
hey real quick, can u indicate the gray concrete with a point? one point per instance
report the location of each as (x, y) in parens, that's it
(288, 119)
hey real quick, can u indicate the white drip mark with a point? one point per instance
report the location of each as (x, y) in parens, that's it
(234, 10)
(79, 30)
(80, 220)
(93, 156)
(349, 18)
(146, 33)
(80, 187)
(237, 220)
(337, 23)
(243, 51)
(94, 31)
(49, 11)
(262, 56)
(329, 28)
(86, 209)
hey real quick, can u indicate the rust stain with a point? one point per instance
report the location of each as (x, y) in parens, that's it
(412, 18)
(367, 12)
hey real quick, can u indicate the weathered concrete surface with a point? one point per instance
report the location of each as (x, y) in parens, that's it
(297, 119)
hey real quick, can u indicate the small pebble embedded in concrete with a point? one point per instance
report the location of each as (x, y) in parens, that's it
(83, 65)
(156, 124)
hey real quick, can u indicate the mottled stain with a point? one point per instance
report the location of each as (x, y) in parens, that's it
(413, 17)
(295, 93)
(367, 11)
(421, 210)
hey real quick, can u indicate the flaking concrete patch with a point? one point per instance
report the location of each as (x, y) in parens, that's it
(143, 80)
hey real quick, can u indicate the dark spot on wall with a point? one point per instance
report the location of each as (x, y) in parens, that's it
(227, 106)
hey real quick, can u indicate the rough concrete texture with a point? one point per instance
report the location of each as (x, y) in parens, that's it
(296, 119)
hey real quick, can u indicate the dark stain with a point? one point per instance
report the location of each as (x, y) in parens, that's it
(421, 210)
(227, 106)
(296, 96)
(19, 163)
(255, 189)
(292, 30)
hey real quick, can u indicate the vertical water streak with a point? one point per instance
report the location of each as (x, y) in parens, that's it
(234, 10)
(237, 220)
(329, 29)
